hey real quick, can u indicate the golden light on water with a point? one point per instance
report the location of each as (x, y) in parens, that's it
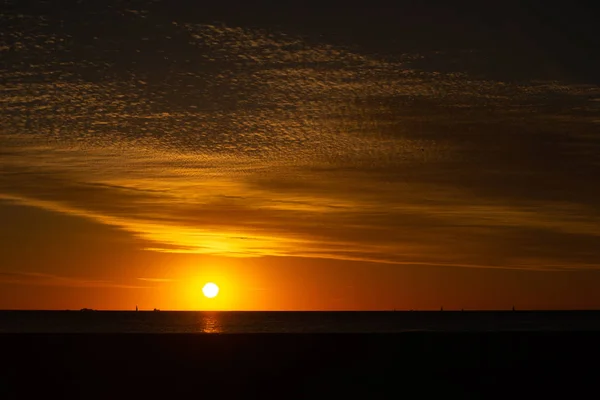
(210, 290)
(210, 323)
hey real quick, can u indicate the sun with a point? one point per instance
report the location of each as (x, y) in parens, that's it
(210, 290)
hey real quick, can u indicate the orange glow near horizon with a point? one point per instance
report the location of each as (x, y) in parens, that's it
(175, 282)
(191, 293)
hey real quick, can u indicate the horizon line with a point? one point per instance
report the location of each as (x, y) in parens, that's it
(307, 311)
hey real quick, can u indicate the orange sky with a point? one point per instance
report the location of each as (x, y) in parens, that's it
(84, 264)
(298, 166)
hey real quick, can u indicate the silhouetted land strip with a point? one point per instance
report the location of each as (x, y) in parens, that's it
(298, 365)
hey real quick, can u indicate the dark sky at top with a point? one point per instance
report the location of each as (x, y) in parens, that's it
(519, 39)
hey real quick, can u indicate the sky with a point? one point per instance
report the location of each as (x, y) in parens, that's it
(303, 157)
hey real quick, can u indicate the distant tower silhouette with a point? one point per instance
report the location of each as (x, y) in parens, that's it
(441, 308)
(513, 308)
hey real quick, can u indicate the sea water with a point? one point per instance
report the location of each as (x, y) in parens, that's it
(294, 322)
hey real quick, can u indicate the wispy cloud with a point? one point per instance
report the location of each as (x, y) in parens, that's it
(271, 145)
(42, 279)
(159, 280)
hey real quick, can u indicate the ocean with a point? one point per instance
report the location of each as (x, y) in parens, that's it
(294, 322)
(298, 355)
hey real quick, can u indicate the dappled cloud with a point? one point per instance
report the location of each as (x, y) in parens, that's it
(249, 143)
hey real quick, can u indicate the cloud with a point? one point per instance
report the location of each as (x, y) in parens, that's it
(266, 144)
(41, 279)
(159, 280)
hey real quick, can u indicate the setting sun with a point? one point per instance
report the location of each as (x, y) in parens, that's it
(210, 290)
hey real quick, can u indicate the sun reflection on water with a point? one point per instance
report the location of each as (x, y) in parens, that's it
(210, 323)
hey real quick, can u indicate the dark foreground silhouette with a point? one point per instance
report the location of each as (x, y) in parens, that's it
(281, 366)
